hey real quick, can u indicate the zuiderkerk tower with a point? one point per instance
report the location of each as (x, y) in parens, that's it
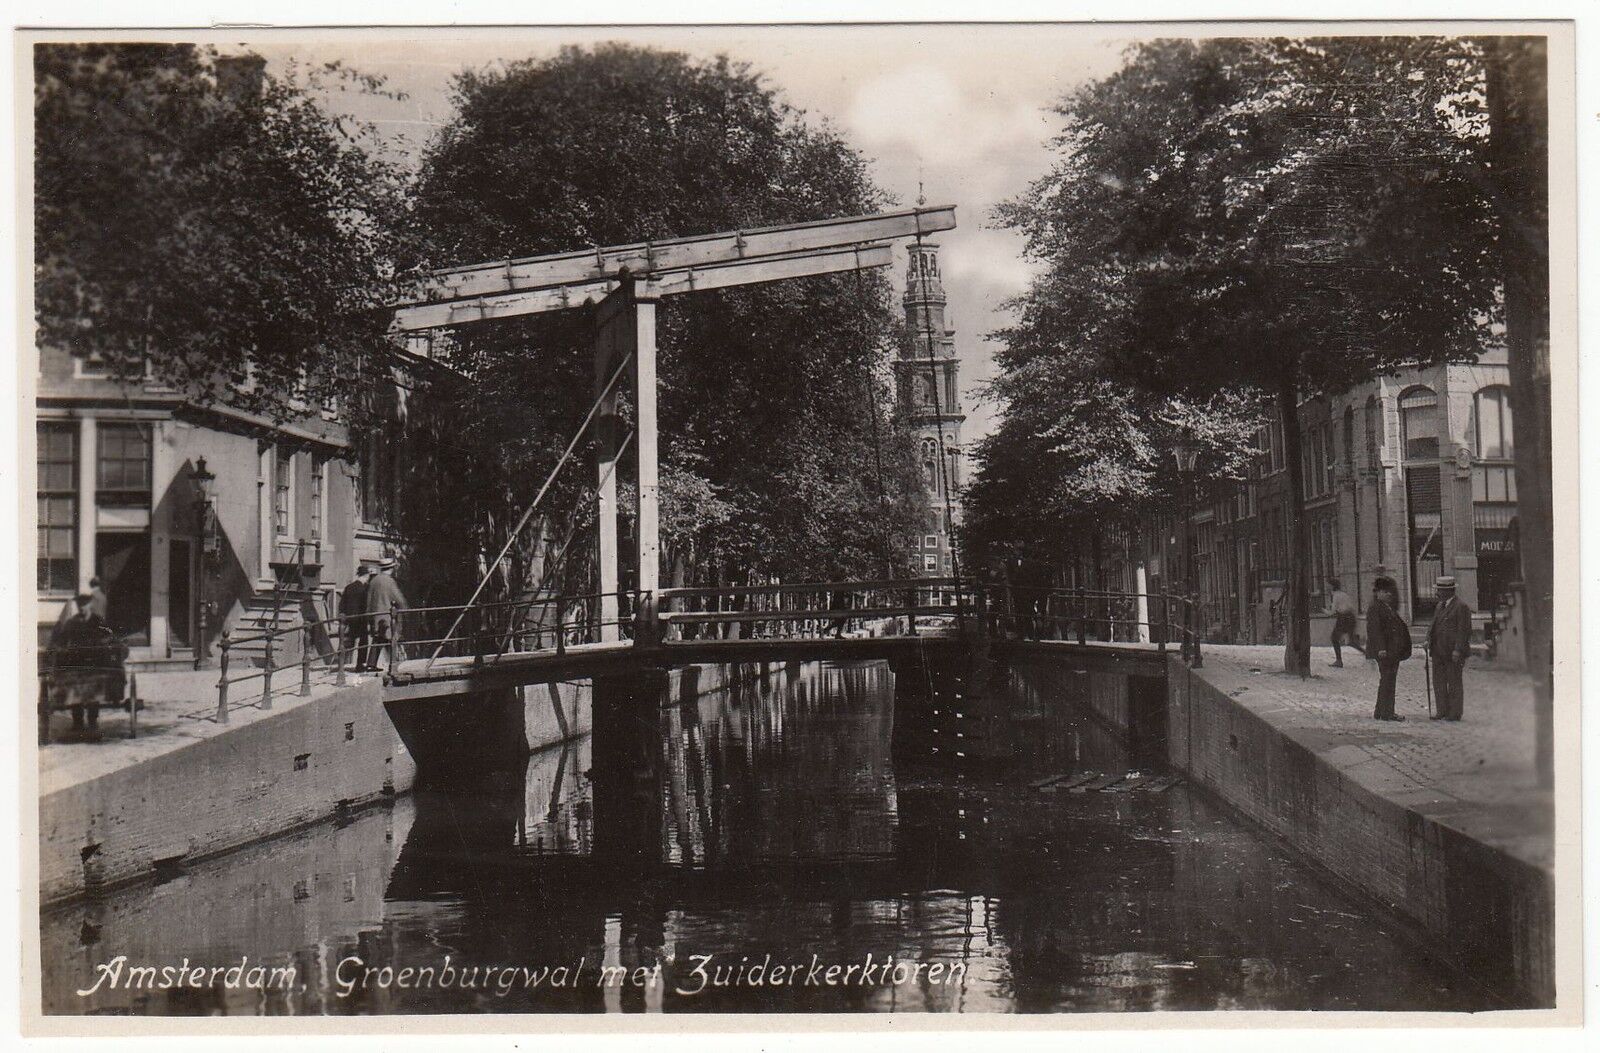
(928, 391)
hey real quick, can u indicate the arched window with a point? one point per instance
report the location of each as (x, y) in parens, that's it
(1419, 423)
(1491, 423)
(1372, 432)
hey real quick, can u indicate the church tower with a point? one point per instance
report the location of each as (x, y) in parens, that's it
(929, 399)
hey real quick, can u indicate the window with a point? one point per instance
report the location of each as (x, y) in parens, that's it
(123, 457)
(931, 541)
(58, 506)
(916, 541)
(930, 562)
(282, 490)
(318, 467)
(1494, 483)
(1491, 420)
(1329, 459)
(1372, 433)
(1419, 423)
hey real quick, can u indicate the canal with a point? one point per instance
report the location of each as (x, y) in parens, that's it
(784, 862)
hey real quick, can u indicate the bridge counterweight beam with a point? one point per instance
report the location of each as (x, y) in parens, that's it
(606, 353)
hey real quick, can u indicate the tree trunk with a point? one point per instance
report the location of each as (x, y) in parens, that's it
(1297, 625)
(1518, 145)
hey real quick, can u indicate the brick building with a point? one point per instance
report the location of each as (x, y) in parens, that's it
(1409, 476)
(928, 396)
(118, 497)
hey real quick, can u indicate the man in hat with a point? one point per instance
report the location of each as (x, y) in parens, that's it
(1388, 641)
(1449, 643)
(87, 662)
(1344, 622)
(383, 594)
(357, 625)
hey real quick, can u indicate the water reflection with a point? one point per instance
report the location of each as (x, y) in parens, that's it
(776, 831)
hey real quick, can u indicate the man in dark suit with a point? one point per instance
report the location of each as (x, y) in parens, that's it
(1449, 643)
(357, 626)
(1389, 641)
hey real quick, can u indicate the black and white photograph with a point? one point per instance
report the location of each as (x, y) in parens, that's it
(794, 522)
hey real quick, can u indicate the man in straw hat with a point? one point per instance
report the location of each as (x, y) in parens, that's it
(1449, 643)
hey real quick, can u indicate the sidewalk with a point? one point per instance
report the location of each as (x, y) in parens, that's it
(1476, 775)
(180, 709)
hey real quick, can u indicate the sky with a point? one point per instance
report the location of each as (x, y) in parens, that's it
(964, 110)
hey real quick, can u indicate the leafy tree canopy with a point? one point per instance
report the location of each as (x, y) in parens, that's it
(1282, 216)
(208, 221)
(768, 394)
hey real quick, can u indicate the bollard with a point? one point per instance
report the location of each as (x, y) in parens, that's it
(222, 682)
(338, 652)
(266, 675)
(305, 660)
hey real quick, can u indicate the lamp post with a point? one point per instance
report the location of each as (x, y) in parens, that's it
(1186, 454)
(205, 483)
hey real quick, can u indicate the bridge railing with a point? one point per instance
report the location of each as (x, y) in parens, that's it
(486, 632)
(253, 668)
(810, 610)
(1097, 615)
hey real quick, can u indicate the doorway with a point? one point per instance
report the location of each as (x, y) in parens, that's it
(122, 562)
(180, 593)
(1425, 530)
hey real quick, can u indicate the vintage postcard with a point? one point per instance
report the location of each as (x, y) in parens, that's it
(973, 522)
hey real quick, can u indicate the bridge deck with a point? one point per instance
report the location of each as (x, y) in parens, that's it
(414, 679)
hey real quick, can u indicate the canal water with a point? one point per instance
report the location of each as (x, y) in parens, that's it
(783, 861)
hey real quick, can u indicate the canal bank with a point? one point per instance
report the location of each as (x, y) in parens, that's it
(121, 810)
(1442, 823)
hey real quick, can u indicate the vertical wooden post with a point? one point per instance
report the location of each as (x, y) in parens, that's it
(646, 444)
(305, 660)
(338, 652)
(1194, 618)
(475, 627)
(1166, 618)
(1083, 617)
(222, 680)
(561, 631)
(394, 638)
(266, 674)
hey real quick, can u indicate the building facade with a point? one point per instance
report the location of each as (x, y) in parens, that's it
(1409, 476)
(120, 496)
(928, 395)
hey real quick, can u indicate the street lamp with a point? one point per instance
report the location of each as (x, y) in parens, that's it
(1186, 454)
(205, 482)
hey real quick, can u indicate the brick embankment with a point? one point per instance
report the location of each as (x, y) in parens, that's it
(120, 809)
(1442, 821)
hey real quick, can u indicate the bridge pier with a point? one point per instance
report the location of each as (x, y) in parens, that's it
(628, 763)
(462, 738)
(944, 712)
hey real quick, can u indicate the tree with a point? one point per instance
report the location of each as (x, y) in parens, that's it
(768, 393)
(1076, 453)
(1517, 169)
(1290, 216)
(207, 222)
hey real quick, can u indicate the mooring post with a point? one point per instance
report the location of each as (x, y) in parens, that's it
(222, 680)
